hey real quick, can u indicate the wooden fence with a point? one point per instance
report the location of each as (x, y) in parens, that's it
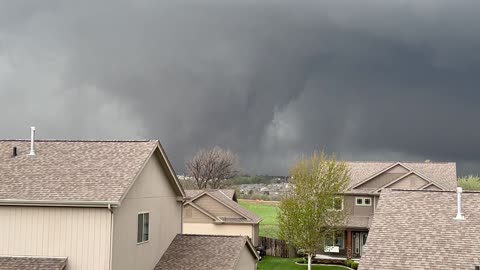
(277, 247)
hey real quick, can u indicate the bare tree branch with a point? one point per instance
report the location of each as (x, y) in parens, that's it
(211, 167)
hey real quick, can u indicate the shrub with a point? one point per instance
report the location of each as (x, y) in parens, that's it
(349, 263)
(354, 265)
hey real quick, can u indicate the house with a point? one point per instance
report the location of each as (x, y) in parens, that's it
(368, 180)
(209, 252)
(78, 205)
(216, 212)
(424, 229)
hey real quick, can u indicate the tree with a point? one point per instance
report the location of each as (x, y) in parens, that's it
(211, 167)
(309, 213)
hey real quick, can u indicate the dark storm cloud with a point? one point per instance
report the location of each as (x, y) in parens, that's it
(269, 79)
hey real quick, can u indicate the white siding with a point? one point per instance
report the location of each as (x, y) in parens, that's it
(151, 193)
(220, 229)
(81, 234)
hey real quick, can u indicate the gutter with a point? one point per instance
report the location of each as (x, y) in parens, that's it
(233, 222)
(107, 204)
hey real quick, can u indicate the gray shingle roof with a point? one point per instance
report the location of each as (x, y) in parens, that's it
(203, 252)
(71, 170)
(443, 173)
(30, 263)
(417, 230)
(190, 193)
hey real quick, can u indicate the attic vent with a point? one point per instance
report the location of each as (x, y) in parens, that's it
(14, 154)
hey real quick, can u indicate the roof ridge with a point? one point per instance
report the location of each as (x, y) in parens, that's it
(429, 190)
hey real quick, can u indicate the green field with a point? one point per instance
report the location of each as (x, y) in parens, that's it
(275, 263)
(269, 224)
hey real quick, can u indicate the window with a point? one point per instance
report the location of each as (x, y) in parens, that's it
(363, 201)
(337, 239)
(142, 232)
(338, 203)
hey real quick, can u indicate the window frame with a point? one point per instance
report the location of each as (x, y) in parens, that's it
(142, 233)
(334, 238)
(363, 203)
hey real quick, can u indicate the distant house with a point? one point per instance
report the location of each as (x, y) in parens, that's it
(216, 212)
(209, 252)
(86, 205)
(368, 180)
(424, 230)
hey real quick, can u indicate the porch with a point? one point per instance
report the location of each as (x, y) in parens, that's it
(346, 244)
(331, 259)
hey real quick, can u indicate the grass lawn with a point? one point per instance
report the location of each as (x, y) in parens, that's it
(269, 224)
(275, 263)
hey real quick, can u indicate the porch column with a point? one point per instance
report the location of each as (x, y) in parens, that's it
(349, 244)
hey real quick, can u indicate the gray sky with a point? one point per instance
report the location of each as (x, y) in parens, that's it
(270, 80)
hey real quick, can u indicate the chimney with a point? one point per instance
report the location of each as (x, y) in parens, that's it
(14, 154)
(32, 141)
(460, 215)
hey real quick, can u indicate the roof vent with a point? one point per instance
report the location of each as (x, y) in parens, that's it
(460, 215)
(32, 141)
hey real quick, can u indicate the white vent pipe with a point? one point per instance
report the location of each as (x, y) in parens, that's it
(32, 141)
(460, 215)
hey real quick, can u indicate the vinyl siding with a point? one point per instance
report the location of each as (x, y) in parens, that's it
(192, 215)
(81, 234)
(432, 187)
(409, 182)
(380, 180)
(384, 178)
(356, 210)
(246, 261)
(216, 208)
(151, 193)
(256, 235)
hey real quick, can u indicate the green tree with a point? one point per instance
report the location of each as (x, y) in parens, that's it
(310, 212)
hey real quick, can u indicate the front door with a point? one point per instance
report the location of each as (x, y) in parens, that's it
(359, 240)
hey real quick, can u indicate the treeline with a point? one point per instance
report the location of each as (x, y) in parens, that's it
(256, 179)
(470, 182)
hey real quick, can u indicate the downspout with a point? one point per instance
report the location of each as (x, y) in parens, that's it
(181, 218)
(110, 267)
